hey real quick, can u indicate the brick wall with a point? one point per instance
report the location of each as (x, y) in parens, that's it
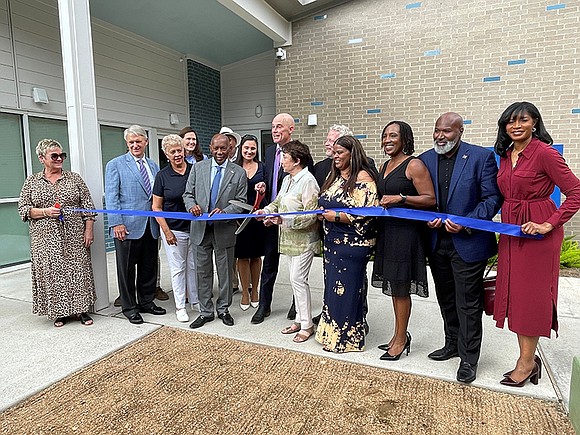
(204, 101)
(368, 62)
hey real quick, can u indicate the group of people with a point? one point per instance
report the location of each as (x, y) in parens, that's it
(453, 178)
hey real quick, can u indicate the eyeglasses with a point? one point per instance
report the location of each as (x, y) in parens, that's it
(55, 156)
(249, 137)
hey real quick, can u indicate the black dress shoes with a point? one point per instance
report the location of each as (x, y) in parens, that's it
(466, 372)
(443, 354)
(135, 319)
(154, 309)
(260, 315)
(227, 319)
(200, 321)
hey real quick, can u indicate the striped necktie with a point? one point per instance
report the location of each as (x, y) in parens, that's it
(145, 176)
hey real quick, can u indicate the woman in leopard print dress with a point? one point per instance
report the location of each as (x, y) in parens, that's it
(62, 276)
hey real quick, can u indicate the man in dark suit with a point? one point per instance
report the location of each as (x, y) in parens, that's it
(212, 183)
(282, 128)
(464, 177)
(128, 182)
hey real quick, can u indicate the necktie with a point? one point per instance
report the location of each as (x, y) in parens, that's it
(145, 176)
(276, 171)
(215, 187)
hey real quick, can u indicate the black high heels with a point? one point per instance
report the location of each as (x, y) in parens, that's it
(533, 377)
(388, 357)
(537, 360)
(387, 346)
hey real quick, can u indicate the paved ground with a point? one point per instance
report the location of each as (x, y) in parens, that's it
(34, 354)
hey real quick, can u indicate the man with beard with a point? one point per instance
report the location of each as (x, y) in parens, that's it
(464, 177)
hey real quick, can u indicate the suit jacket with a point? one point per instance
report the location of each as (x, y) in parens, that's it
(234, 185)
(125, 189)
(473, 193)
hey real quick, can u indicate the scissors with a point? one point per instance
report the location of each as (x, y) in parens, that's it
(246, 221)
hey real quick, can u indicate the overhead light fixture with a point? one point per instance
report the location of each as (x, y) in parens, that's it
(306, 2)
(173, 119)
(39, 95)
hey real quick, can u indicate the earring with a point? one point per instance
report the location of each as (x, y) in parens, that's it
(533, 129)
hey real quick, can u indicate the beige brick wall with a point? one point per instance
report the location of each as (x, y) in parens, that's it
(474, 40)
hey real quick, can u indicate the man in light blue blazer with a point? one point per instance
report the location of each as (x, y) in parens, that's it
(464, 177)
(212, 183)
(128, 183)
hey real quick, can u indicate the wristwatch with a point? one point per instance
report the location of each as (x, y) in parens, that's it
(404, 197)
(337, 217)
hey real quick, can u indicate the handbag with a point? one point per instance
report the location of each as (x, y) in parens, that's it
(489, 290)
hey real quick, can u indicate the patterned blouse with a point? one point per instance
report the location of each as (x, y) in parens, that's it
(360, 231)
(298, 233)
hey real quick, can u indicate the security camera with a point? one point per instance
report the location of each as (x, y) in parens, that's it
(280, 53)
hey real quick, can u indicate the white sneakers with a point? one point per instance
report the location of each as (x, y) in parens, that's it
(182, 315)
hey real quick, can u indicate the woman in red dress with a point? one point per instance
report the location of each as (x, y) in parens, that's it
(528, 269)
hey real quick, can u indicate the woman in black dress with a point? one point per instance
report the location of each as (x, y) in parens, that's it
(250, 242)
(400, 266)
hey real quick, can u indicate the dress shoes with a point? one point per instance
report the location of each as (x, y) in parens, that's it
(260, 315)
(135, 319)
(227, 319)
(443, 354)
(200, 321)
(154, 309)
(537, 360)
(160, 294)
(533, 377)
(467, 372)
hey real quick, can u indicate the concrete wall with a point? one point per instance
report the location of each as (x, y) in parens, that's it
(367, 62)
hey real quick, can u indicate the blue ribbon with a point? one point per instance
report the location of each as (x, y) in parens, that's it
(396, 212)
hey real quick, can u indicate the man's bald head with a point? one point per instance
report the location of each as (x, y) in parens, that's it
(447, 133)
(282, 128)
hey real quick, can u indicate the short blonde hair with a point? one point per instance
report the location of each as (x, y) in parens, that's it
(45, 144)
(171, 140)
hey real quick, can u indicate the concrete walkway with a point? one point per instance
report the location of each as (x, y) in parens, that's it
(35, 354)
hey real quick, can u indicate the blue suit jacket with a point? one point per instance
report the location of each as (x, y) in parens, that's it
(473, 193)
(125, 189)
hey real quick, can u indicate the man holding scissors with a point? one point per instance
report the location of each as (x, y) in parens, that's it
(212, 183)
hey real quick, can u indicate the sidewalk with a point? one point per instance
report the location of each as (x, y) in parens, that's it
(35, 355)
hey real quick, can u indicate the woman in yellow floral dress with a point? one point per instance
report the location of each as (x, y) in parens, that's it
(348, 241)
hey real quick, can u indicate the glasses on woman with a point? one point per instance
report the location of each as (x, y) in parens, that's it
(55, 156)
(249, 137)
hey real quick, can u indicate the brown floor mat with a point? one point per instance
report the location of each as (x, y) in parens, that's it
(178, 382)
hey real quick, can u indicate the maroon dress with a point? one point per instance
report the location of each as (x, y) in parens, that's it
(528, 269)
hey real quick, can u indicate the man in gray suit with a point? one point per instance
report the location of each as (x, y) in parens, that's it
(212, 183)
(128, 182)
